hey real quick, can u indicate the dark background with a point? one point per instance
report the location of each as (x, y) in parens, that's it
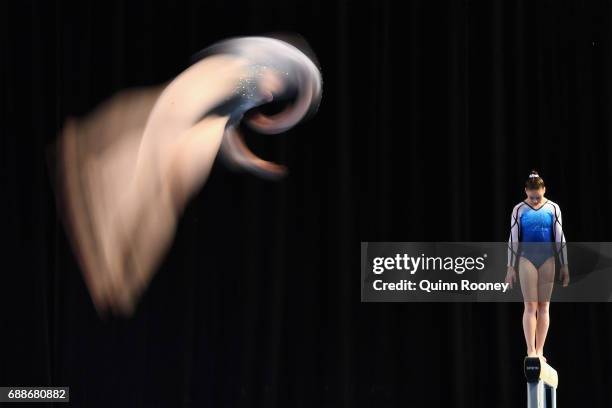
(433, 115)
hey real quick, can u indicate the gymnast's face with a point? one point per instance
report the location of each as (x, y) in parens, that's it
(535, 197)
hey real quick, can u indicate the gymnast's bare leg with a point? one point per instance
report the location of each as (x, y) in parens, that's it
(546, 278)
(528, 276)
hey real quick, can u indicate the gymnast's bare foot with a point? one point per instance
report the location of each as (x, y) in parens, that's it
(541, 355)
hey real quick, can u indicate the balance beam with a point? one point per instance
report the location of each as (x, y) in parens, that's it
(542, 382)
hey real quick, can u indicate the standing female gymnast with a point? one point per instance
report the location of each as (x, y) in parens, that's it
(536, 235)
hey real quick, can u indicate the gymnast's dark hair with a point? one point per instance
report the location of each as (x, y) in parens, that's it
(534, 181)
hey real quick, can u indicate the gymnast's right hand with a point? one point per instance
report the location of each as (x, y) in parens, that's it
(511, 276)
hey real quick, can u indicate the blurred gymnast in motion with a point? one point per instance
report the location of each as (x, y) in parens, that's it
(125, 172)
(536, 236)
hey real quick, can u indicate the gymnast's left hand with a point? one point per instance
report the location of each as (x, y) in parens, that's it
(564, 275)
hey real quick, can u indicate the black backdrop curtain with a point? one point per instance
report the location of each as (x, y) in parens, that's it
(433, 115)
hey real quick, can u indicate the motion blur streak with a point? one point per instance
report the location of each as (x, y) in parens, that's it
(125, 172)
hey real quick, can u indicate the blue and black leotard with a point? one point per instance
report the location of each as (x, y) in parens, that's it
(531, 229)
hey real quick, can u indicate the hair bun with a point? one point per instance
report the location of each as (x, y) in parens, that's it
(534, 181)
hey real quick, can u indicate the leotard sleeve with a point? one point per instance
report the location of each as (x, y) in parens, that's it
(559, 236)
(513, 241)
